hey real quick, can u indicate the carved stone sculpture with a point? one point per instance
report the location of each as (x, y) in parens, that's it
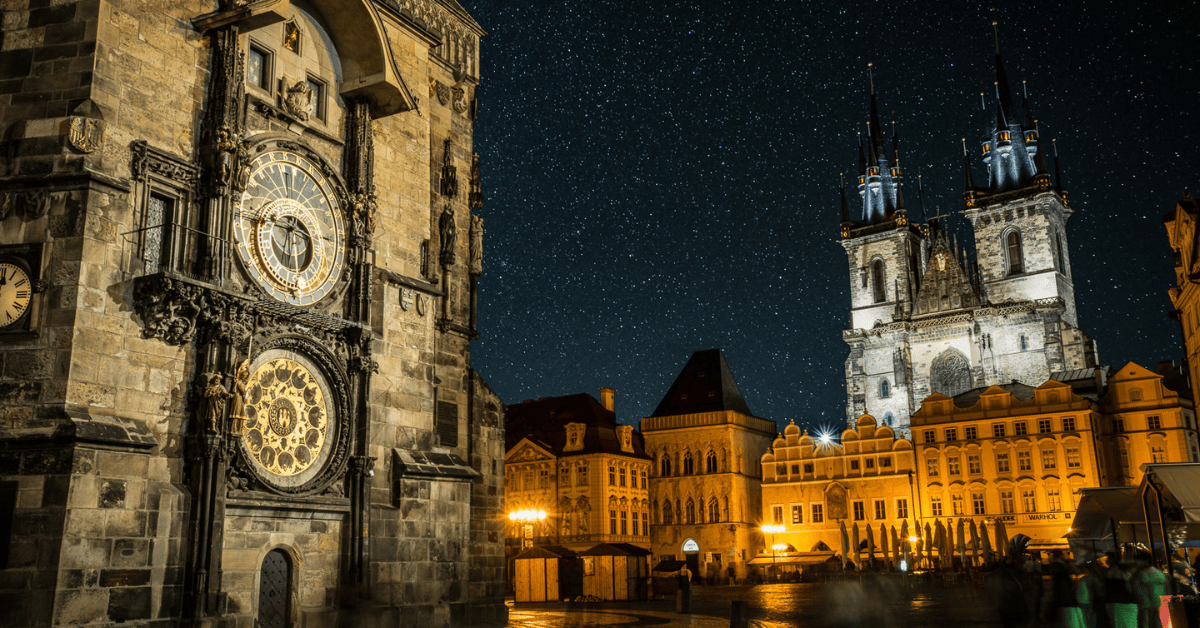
(237, 411)
(214, 402)
(448, 235)
(298, 100)
(475, 265)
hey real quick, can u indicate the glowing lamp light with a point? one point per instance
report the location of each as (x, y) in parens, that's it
(527, 515)
(779, 547)
(825, 438)
(772, 529)
(913, 539)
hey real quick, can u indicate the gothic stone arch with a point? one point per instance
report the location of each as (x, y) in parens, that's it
(950, 373)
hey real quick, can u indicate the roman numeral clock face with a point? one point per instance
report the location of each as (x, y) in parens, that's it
(288, 229)
(15, 293)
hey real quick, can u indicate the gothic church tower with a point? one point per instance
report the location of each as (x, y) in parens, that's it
(927, 319)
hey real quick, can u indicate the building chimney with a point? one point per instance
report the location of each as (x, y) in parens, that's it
(608, 399)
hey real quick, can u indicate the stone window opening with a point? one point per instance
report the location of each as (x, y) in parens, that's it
(260, 67)
(950, 374)
(714, 510)
(689, 466)
(902, 508)
(668, 517)
(1014, 256)
(666, 466)
(1154, 423)
(1007, 503)
(878, 285)
(885, 389)
(690, 511)
(1061, 250)
(710, 462)
(1024, 343)
(818, 513)
(935, 505)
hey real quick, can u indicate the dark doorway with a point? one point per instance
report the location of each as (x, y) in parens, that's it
(273, 593)
(693, 565)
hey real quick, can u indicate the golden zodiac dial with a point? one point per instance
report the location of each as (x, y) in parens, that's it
(286, 422)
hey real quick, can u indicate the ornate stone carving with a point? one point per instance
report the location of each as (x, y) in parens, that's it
(443, 92)
(168, 309)
(147, 160)
(34, 204)
(448, 235)
(406, 299)
(449, 186)
(297, 101)
(86, 134)
(214, 402)
(475, 193)
(475, 261)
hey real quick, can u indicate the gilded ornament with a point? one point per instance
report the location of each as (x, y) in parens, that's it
(286, 423)
(86, 134)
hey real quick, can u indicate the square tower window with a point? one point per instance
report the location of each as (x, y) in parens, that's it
(258, 67)
(317, 104)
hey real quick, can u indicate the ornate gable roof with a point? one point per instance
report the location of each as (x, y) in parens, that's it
(945, 286)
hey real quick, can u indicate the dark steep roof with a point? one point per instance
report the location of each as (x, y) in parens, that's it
(705, 385)
(544, 421)
(971, 397)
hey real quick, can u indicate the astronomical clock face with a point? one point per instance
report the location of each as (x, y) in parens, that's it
(15, 293)
(290, 420)
(288, 228)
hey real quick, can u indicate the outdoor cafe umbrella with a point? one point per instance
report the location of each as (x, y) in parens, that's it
(1001, 538)
(857, 551)
(987, 545)
(920, 546)
(929, 542)
(940, 534)
(904, 542)
(883, 541)
(845, 543)
(961, 536)
(870, 544)
(974, 543)
(949, 544)
(895, 549)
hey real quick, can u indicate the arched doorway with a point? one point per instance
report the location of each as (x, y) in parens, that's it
(274, 592)
(691, 556)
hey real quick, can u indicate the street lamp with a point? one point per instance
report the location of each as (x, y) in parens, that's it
(527, 517)
(773, 530)
(913, 542)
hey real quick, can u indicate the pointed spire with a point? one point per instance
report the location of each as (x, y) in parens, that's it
(862, 158)
(1030, 123)
(1058, 178)
(968, 183)
(1001, 78)
(875, 130)
(1039, 159)
(845, 206)
(921, 195)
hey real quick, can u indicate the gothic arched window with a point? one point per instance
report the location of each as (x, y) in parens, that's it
(889, 419)
(688, 465)
(690, 511)
(714, 511)
(885, 389)
(950, 374)
(1012, 248)
(666, 465)
(710, 462)
(668, 514)
(877, 281)
(1062, 254)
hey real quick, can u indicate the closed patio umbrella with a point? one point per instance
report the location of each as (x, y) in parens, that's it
(904, 542)
(883, 541)
(845, 543)
(940, 536)
(895, 549)
(855, 544)
(987, 544)
(974, 543)
(870, 544)
(961, 536)
(1001, 539)
(949, 544)
(928, 542)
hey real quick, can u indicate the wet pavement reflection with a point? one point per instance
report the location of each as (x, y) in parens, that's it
(879, 602)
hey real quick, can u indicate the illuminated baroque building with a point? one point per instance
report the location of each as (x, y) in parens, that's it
(1184, 236)
(237, 384)
(1020, 454)
(810, 488)
(705, 484)
(924, 317)
(568, 457)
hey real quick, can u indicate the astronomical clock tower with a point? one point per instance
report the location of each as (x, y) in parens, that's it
(239, 249)
(926, 318)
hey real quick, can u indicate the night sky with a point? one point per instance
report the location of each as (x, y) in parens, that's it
(662, 177)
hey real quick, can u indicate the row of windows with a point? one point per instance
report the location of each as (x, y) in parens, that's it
(616, 477)
(688, 513)
(1008, 503)
(260, 72)
(885, 462)
(711, 464)
(1152, 423)
(625, 522)
(1000, 430)
(1014, 263)
(859, 508)
(1003, 462)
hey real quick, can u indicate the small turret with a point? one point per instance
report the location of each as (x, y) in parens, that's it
(968, 182)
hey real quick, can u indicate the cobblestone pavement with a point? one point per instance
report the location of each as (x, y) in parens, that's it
(878, 603)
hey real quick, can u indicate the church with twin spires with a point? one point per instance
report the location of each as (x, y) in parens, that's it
(927, 318)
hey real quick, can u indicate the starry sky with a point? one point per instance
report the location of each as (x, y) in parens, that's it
(662, 177)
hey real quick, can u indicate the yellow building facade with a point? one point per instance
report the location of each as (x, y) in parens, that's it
(705, 485)
(811, 488)
(569, 459)
(1148, 418)
(1185, 294)
(1010, 453)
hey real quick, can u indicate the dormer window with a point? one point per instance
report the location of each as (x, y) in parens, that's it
(575, 434)
(1003, 137)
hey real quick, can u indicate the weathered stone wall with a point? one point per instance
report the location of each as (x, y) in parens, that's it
(893, 248)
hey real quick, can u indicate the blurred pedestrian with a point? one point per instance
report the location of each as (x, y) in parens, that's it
(1006, 595)
(1065, 596)
(1149, 585)
(1119, 598)
(1093, 588)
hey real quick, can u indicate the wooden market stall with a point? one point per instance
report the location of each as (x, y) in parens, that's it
(616, 571)
(541, 574)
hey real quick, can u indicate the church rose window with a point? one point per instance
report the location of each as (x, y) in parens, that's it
(950, 374)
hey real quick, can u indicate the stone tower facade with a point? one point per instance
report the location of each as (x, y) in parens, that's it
(239, 391)
(927, 318)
